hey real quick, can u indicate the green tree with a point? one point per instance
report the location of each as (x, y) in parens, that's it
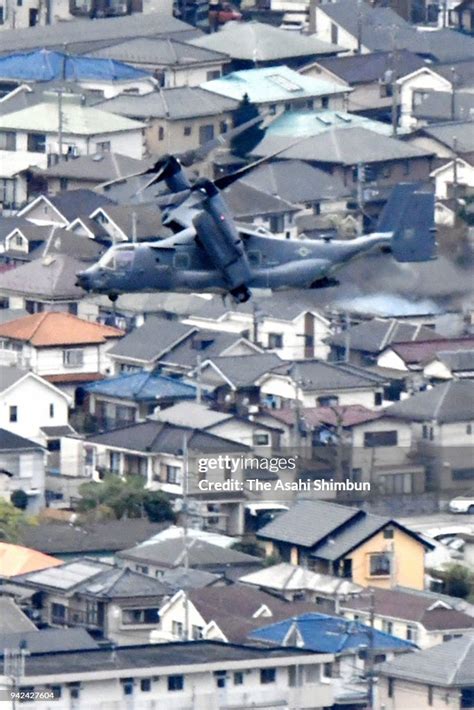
(123, 498)
(12, 522)
(458, 581)
(243, 143)
(250, 546)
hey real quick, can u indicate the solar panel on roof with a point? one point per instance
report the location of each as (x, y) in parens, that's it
(284, 83)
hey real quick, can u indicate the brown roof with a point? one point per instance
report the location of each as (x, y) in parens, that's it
(351, 414)
(54, 328)
(233, 608)
(413, 607)
(15, 559)
(74, 377)
(415, 353)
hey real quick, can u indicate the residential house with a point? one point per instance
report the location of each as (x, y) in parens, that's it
(84, 35)
(60, 347)
(156, 558)
(449, 139)
(453, 179)
(442, 425)
(415, 618)
(415, 86)
(97, 539)
(154, 450)
(348, 640)
(317, 383)
(268, 213)
(371, 77)
(367, 28)
(132, 397)
(220, 613)
(388, 160)
(207, 674)
(173, 63)
(19, 388)
(12, 619)
(440, 106)
(178, 119)
(363, 342)
(107, 77)
(278, 88)
(291, 328)
(113, 603)
(411, 356)
(449, 364)
(252, 43)
(294, 583)
(174, 347)
(31, 241)
(439, 677)
(370, 550)
(16, 559)
(22, 467)
(463, 16)
(62, 208)
(83, 172)
(261, 437)
(33, 133)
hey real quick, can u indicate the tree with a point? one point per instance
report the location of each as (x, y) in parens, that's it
(242, 144)
(250, 546)
(123, 498)
(12, 522)
(458, 581)
(19, 499)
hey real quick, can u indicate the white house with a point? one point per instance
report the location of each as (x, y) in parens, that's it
(18, 390)
(413, 89)
(22, 467)
(455, 174)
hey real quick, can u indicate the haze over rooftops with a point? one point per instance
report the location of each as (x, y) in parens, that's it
(51, 328)
(260, 42)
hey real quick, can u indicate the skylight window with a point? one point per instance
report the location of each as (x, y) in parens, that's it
(284, 83)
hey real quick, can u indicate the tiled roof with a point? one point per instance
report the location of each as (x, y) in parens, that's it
(52, 278)
(169, 553)
(10, 441)
(415, 353)
(15, 559)
(449, 402)
(51, 328)
(151, 340)
(376, 334)
(350, 415)
(371, 67)
(160, 52)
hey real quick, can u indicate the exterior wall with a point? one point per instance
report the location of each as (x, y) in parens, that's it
(282, 389)
(400, 628)
(390, 359)
(432, 146)
(422, 80)
(444, 179)
(175, 611)
(33, 400)
(389, 173)
(323, 32)
(407, 556)
(28, 472)
(174, 140)
(51, 361)
(406, 694)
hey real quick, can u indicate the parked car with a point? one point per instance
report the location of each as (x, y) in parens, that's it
(220, 13)
(462, 504)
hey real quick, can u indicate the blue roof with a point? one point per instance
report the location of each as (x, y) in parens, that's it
(327, 634)
(46, 65)
(142, 386)
(268, 84)
(312, 123)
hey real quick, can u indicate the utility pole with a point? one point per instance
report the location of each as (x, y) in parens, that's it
(453, 93)
(360, 175)
(394, 112)
(347, 337)
(198, 379)
(455, 168)
(134, 226)
(60, 104)
(371, 652)
(359, 26)
(184, 511)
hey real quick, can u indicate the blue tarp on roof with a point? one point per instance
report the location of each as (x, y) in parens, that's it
(327, 634)
(142, 386)
(46, 65)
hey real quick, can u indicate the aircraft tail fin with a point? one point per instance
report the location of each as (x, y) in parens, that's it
(409, 214)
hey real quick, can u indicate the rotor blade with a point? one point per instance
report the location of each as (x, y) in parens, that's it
(157, 165)
(226, 180)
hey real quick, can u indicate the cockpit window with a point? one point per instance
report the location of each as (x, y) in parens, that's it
(118, 259)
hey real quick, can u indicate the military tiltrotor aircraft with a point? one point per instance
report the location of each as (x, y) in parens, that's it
(208, 252)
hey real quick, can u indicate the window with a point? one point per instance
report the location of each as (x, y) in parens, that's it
(379, 565)
(51, 411)
(1, 16)
(161, 133)
(213, 74)
(173, 474)
(390, 687)
(469, 429)
(175, 682)
(74, 690)
(127, 686)
(325, 102)
(221, 678)
(427, 432)
(222, 127)
(406, 167)
(238, 678)
(272, 109)
(58, 613)
(275, 340)
(462, 474)
(140, 616)
(177, 629)
(334, 33)
(73, 358)
(267, 675)
(13, 413)
(103, 147)
(197, 632)
(412, 633)
(387, 626)
(36, 143)
(378, 398)
(143, 569)
(388, 533)
(145, 685)
(114, 461)
(206, 133)
(7, 140)
(187, 130)
(63, 183)
(380, 438)
(261, 439)
(277, 223)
